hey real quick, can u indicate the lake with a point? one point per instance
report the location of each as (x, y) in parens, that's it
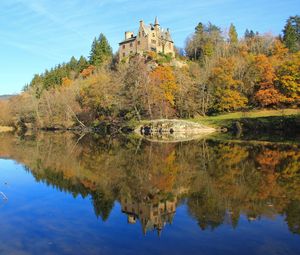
(63, 193)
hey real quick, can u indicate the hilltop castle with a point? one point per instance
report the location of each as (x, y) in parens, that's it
(153, 215)
(149, 38)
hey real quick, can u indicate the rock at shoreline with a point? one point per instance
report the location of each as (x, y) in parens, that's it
(175, 128)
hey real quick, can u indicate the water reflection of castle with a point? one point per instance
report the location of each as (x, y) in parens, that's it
(152, 215)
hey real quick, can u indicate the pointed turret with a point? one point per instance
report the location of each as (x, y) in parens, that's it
(156, 23)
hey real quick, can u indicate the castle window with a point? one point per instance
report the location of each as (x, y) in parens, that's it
(123, 46)
(153, 41)
(139, 34)
(123, 54)
(131, 52)
(139, 42)
(153, 35)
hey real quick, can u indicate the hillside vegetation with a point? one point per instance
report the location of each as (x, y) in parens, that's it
(218, 73)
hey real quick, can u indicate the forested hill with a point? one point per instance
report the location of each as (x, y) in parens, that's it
(217, 72)
(5, 97)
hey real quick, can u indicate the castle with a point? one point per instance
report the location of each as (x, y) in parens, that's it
(153, 215)
(149, 38)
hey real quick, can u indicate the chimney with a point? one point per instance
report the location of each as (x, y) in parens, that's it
(156, 23)
(141, 22)
(128, 35)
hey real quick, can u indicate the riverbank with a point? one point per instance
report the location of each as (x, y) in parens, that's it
(224, 120)
(287, 120)
(259, 121)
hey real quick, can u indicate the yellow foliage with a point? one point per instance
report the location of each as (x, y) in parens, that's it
(229, 100)
(265, 69)
(163, 77)
(288, 78)
(66, 82)
(223, 74)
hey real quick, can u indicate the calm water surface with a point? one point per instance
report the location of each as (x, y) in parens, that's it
(102, 195)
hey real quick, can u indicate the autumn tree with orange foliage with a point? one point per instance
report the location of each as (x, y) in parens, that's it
(267, 95)
(87, 71)
(164, 85)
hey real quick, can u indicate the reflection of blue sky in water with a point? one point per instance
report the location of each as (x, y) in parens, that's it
(39, 218)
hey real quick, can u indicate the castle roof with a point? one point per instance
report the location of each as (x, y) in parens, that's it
(131, 39)
(163, 34)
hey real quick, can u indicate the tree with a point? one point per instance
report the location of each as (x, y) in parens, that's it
(204, 43)
(267, 94)
(249, 34)
(6, 117)
(87, 71)
(187, 93)
(288, 78)
(199, 29)
(98, 95)
(291, 33)
(73, 64)
(82, 63)
(233, 36)
(163, 80)
(100, 51)
(268, 97)
(135, 87)
(66, 82)
(229, 100)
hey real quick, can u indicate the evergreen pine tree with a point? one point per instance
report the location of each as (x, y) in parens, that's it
(82, 63)
(100, 51)
(73, 64)
(104, 46)
(249, 34)
(291, 34)
(233, 36)
(199, 29)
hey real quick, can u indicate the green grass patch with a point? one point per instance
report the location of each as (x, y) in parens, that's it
(226, 119)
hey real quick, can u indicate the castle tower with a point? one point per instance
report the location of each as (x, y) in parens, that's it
(156, 23)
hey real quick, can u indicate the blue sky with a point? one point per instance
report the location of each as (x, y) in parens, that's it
(38, 34)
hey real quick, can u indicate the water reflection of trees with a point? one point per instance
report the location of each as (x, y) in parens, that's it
(219, 180)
